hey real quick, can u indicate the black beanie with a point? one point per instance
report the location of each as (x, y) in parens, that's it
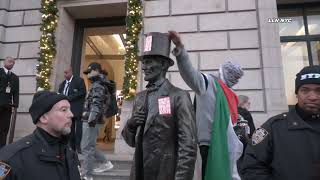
(308, 75)
(42, 102)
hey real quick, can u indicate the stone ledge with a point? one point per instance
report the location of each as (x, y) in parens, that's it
(27, 84)
(9, 50)
(246, 58)
(29, 50)
(236, 20)
(235, 5)
(26, 33)
(252, 79)
(32, 17)
(193, 7)
(25, 67)
(4, 4)
(3, 17)
(276, 100)
(177, 80)
(205, 40)
(24, 4)
(193, 58)
(24, 103)
(14, 18)
(156, 8)
(177, 23)
(244, 39)
(273, 78)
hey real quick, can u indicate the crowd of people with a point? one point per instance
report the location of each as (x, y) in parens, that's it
(165, 128)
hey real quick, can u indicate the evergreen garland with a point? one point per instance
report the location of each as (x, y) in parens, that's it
(133, 28)
(47, 52)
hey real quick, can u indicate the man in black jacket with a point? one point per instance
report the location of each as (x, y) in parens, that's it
(243, 110)
(75, 89)
(9, 97)
(45, 153)
(287, 146)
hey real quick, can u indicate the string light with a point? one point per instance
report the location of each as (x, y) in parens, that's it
(133, 28)
(47, 52)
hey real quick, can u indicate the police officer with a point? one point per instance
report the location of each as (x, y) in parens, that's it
(45, 153)
(287, 146)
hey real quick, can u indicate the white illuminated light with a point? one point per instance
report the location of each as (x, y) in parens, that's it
(119, 41)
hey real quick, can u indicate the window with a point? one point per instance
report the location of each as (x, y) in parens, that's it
(300, 41)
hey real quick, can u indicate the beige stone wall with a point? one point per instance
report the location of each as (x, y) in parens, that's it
(214, 31)
(19, 37)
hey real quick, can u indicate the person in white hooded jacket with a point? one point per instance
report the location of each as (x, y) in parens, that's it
(204, 87)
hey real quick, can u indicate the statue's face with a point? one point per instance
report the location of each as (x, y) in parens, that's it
(152, 69)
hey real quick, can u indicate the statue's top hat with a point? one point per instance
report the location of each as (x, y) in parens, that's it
(157, 44)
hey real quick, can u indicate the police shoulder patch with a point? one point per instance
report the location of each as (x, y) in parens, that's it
(258, 136)
(4, 170)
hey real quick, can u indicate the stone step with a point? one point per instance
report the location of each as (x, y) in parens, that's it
(121, 170)
(113, 157)
(121, 165)
(114, 174)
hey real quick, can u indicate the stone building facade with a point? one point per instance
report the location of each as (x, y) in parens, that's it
(213, 31)
(19, 37)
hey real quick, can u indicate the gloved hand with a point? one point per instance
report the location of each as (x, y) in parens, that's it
(92, 119)
(85, 115)
(138, 119)
(92, 124)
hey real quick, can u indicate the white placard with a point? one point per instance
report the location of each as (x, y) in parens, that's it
(164, 106)
(148, 44)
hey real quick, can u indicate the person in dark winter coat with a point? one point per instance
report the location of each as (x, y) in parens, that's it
(243, 110)
(45, 153)
(9, 97)
(162, 126)
(75, 89)
(287, 146)
(93, 119)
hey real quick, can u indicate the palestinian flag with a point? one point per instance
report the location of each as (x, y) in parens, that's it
(225, 147)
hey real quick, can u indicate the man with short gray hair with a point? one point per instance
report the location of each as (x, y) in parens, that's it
(45, 153)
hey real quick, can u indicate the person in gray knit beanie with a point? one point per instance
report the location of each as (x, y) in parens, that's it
(230, 73)
(45, 153)
(206, 94)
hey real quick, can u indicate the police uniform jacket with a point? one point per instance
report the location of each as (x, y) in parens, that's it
(284, 148)
(168, 143)
(34, 158)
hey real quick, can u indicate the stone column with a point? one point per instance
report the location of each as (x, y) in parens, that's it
(121, 147)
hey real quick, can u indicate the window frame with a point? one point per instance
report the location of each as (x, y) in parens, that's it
(302, 38)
